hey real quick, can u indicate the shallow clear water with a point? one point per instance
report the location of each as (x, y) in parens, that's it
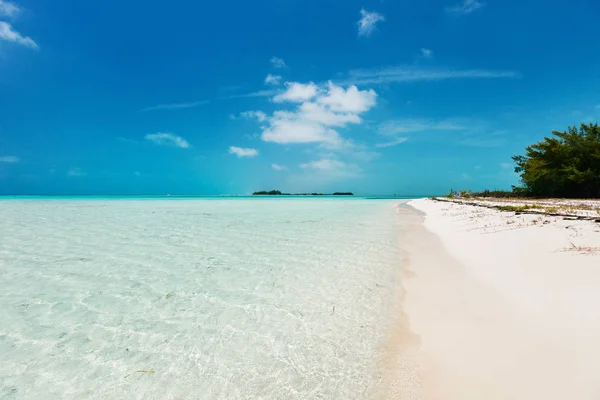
(252, 298)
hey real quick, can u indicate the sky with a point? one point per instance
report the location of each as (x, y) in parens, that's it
(374, 97)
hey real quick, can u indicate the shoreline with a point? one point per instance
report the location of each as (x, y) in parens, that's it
(504, 304)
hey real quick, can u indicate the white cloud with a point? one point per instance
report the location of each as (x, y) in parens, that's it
(297, 92)
(427, 53)
(278, 167)
(8, 9)
(9, 159)
(272, 79)
(466, 7)
(167, 139)
(392, 143)
(7, 33)
(349, 100)
(368, 21)
(290, 129)
(321, 109)
(277, 62)
(243, 152)
(175, 106)
(324, 164)
(413, 74)
(76, 172)
(259, 115)
(320, 113)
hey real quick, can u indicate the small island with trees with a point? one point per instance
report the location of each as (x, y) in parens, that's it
(279, 193)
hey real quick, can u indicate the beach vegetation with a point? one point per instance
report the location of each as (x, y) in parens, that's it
(566, 164)
(520, 208)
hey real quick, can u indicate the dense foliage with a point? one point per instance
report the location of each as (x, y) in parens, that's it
(565, 165)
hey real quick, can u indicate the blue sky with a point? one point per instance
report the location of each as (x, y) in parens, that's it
(376, 97)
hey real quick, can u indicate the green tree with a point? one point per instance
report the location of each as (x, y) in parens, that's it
(566, 164)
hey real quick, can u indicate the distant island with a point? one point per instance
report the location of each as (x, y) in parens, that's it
(279, 193)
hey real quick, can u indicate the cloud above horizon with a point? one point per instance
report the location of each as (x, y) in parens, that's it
(9, 159)
(320, 110)
(167, 139)
(278, 167)
(427, 53)
(258, 93)
(258, 115)
(368, 21)
(272, 79)
(466, 7)
(398, 129)
(297, 92)
(277, 62)
(8, 9)
(8, 34)
(242, 151)
(175, 106)
(397, 74)
(76, 172)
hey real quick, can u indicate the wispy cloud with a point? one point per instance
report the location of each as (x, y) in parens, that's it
(9, 159)
(398, 129)
(506, 165)
(427, 53)
(8, 9)
(243, 152)
(167, 139)
(278, 167)
(395, 127)
(413, 74)
(324, 164)
(368, 21)
(331, 168)
(75, 172)
(8, 34)
(175, 106)
(277, 62)
(392, 143)
(126, 140)
(466, 7)
(272, 79)
(258, 93)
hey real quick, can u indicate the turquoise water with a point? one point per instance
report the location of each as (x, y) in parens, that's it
(197, 298)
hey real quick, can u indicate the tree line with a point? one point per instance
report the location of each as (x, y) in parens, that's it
(566, 164)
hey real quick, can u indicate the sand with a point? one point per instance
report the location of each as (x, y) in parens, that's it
(505, 306)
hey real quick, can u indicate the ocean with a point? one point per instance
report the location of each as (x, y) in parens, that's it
(213, 298)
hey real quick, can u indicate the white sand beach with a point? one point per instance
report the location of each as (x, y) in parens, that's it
(505, 305)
